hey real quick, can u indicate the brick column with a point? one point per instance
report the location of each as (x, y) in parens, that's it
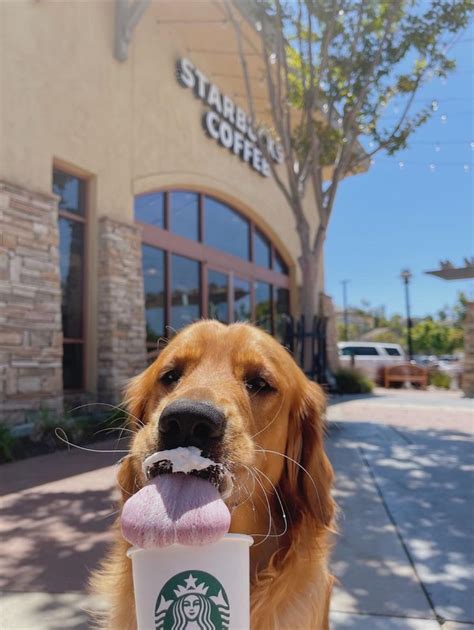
(30, 306)
(468, 375)
(121, 324)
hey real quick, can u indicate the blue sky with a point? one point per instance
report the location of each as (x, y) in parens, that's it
(392, 218)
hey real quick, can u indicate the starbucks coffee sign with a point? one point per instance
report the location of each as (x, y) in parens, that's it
(228, 124)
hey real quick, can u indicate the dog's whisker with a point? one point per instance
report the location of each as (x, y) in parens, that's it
(270, 520)
(270, 423)
(278, 498)
(266, 450)
(249, 493)
(63, 438)
(110, 406)
(110, 429)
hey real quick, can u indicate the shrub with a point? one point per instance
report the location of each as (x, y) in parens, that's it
(350, 381)
(6, 443)
(440, 379)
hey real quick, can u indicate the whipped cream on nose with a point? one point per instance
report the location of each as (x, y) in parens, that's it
(183, 459)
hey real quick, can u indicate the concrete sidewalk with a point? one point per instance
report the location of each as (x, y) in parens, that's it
(404, 486)
(403, 559)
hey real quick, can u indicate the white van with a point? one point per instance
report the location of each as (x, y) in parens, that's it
(369, 357)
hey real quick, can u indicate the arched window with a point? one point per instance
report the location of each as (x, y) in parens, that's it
(202, 258)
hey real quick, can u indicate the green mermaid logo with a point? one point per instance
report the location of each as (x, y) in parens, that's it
(192, 600)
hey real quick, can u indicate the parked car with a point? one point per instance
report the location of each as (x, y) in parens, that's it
(428, 361)
(370, 357)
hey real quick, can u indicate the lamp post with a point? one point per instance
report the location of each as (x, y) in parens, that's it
(344, 306)
(406, 276)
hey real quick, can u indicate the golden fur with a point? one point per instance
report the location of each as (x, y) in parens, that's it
(273, 445)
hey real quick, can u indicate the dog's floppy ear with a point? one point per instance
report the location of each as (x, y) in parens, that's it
(306, 485)
(138, 394)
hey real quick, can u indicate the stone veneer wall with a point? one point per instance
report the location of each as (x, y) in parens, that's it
(121, 322)
(30, 306)
(468, 376)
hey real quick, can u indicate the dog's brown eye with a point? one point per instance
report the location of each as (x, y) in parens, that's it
(257, 385)
(171, 377)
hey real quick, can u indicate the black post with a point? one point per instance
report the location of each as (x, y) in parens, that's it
(344, 306)
(406, 277)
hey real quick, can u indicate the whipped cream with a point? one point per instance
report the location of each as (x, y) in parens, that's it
(183, 459)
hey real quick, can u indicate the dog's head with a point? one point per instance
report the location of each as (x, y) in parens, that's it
(236, 394)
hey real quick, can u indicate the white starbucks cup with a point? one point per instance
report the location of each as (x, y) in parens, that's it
(193, 588)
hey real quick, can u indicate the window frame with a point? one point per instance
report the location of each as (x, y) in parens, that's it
(84, 219)
(211, 258)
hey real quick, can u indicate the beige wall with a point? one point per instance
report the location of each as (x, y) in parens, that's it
(129, 125)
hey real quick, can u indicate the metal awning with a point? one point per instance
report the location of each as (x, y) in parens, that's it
(449, 272)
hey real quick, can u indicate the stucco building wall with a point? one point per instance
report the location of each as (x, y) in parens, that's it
(128, 127)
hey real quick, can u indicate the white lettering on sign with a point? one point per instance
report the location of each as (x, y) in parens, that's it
(228, 124)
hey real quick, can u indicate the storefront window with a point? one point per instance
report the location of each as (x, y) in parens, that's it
(263, 305)
(261, 250)
(242, 303)
(184, 214)
(73, 361)
(72, 217)
(254, 288)
(279, 264)
(185, 291)
(153, 265)
(225, 229)
(218, 290)
(71, 244)
(150, 209)
(282, 310)
(71, 192)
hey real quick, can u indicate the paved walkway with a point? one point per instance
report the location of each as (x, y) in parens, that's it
(405, 489)
(404, 555)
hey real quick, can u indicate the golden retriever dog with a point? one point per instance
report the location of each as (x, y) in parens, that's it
(271, 443)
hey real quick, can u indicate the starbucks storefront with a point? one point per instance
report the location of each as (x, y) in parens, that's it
(142, 203)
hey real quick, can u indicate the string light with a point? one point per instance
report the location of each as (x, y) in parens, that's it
(341, 12)
(272, 58)
(434, 106)
(433, 167)
(258, 26)
(326, 108)
(444, 119)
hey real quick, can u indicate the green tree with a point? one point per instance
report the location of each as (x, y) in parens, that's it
(331, 69)
(435, 337)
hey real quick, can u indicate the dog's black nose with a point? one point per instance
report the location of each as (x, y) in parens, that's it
(190, 423)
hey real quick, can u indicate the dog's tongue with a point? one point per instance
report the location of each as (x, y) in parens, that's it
(175, 508)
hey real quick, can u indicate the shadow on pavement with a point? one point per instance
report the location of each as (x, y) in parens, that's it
(41, 469)
(53, 535)
(406, 524)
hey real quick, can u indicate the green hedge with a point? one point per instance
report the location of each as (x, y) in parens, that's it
(440, 379)
(351, 381)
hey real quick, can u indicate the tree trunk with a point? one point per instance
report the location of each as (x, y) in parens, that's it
(310, 298)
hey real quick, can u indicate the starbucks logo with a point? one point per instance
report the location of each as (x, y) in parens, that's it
(192, 600)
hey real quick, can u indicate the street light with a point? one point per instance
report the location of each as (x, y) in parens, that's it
(406, 276)
(344, 306)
